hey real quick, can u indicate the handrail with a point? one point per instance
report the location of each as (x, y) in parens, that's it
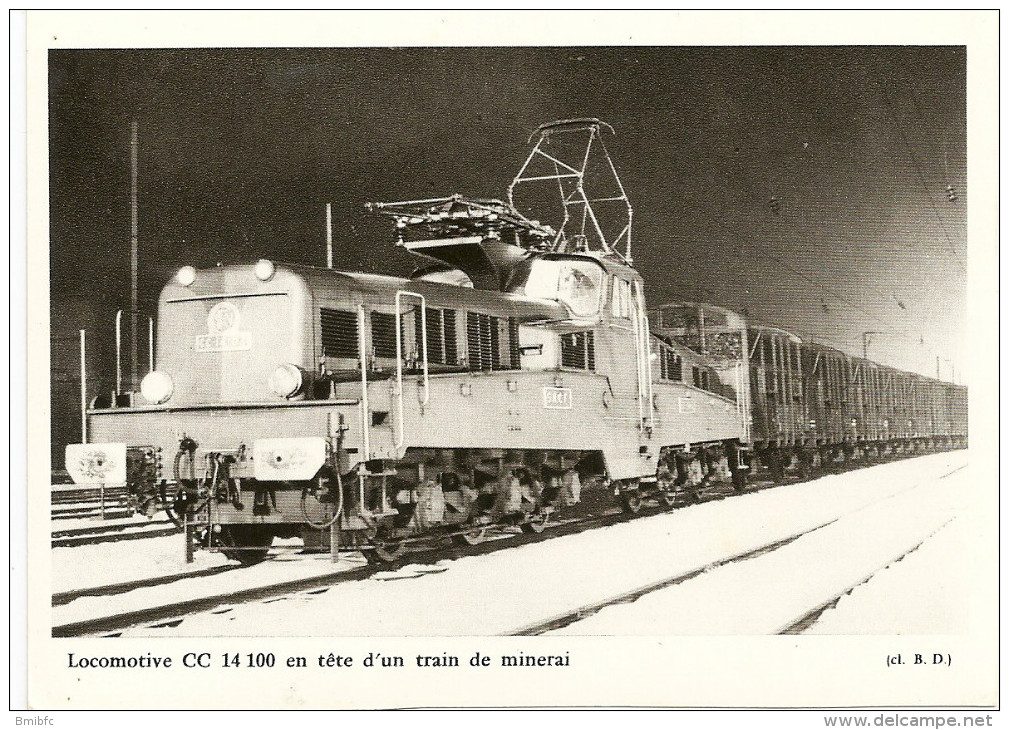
(401, 437)
(643, 357)
(119, 347)
(743, 400)
(365, 411)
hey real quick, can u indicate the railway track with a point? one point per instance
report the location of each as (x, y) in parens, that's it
(62, 599)
(810, 617)
(93, 535)
(69, 501)
(794, 625)
(172, 614)
(582, 612)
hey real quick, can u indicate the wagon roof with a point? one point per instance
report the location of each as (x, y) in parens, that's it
(778, 331)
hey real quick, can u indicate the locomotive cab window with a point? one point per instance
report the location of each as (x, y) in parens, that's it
(620, 299)
(575, 282)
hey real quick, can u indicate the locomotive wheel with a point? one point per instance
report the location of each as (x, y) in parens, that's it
(385, 547)
(739, 480)
(630, 501)
(255, 541)
(473, 537)
(666, 497)
(535, 524)
(385, 551)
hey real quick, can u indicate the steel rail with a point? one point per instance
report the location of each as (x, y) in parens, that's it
(810, 617)
(65, 597)
(77, 531)
(166, 613)
(109, 536)
(577, 614)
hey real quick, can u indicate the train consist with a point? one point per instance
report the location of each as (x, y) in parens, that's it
(517, 367)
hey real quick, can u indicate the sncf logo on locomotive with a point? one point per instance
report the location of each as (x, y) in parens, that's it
(557, 397)
(223, 334)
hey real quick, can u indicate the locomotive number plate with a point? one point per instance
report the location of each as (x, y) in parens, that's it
(224, 342)
(557, 397)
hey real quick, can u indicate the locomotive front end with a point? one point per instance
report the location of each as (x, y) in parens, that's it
(218, 434)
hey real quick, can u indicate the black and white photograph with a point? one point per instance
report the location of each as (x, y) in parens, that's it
(509, 359)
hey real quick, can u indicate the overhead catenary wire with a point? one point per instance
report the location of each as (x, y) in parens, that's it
(921, 178)
(745, 250)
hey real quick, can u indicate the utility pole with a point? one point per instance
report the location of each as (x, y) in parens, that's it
(329, 235)
(865, 343)
(133, 256)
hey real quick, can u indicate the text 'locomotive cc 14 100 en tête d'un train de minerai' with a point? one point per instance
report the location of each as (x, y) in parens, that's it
(516, 372)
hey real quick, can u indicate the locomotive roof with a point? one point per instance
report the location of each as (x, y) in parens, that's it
(443, 293)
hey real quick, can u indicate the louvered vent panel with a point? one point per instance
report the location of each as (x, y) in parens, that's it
(481, 337)
(495, 330)
(383, 334)
(671, 365)
(514, 356)
(441, 345)
(578, 350)
(451, 348)
(675, 367)
(339, 333)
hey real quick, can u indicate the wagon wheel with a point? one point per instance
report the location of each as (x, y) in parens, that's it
(536, 523)
(630, 501)
(251, 543)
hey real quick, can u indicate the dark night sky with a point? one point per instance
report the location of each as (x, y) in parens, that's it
(241, 149)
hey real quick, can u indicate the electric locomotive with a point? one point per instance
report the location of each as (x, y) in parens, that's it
(512, 370)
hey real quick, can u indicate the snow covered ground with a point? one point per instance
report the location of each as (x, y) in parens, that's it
(509, 589)
(86, 566)
(286, 567)
(766, 594)
(920, 594)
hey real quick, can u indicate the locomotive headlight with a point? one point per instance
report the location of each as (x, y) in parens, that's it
(287, 380)
(265, 269)
(186, 275)
(156, 387)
